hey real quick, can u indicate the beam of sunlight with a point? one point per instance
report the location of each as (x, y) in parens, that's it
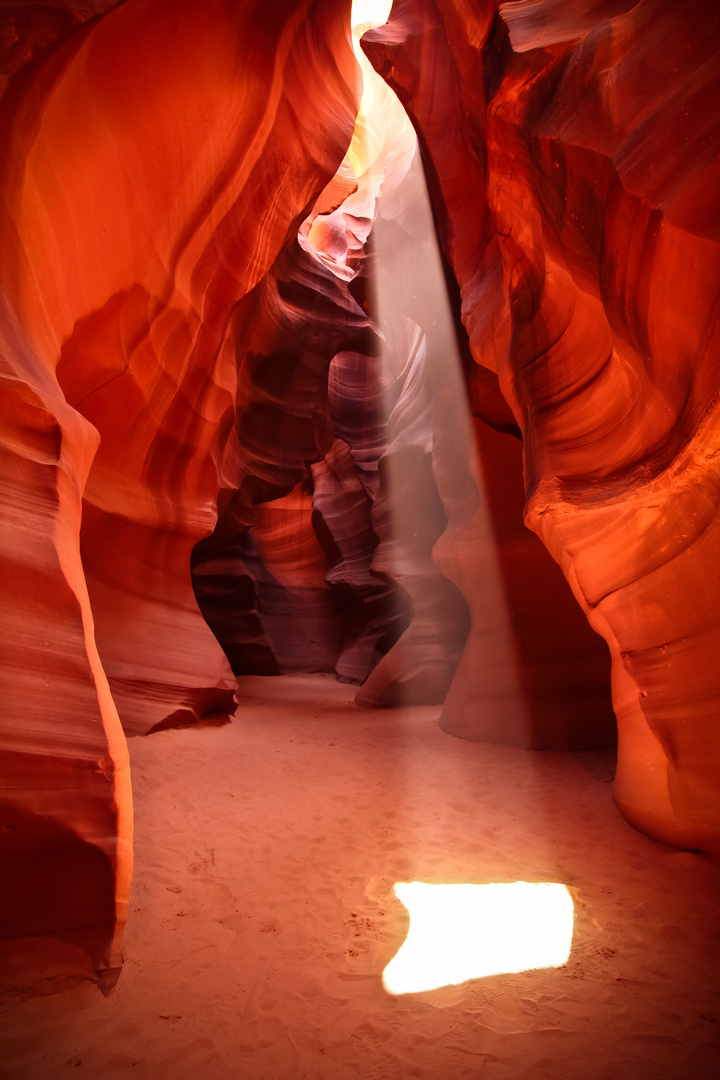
(436, 520)
(462, 932)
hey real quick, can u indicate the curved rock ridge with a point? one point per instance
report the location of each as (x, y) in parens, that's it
(156, 159)
(571, 153)
(65, 802)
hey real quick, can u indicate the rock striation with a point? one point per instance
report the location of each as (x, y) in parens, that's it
(157, 158)
(571, 153)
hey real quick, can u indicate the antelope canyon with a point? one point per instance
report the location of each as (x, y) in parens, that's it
(360, 434)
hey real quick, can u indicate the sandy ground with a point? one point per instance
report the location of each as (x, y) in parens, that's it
(262, 912)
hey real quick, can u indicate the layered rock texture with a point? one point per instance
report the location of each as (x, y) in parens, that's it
(156, 160)
(572, 155)
(235, 435)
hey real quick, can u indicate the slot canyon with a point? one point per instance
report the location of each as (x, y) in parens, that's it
(360, 431)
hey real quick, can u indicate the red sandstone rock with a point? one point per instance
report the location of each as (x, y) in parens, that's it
(66, 814)
(144, 156)
(574, 179)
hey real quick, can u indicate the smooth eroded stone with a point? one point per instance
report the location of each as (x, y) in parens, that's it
(573, 170)
(143, 152)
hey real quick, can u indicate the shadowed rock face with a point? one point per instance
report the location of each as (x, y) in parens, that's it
(571, 151)
(190, 370)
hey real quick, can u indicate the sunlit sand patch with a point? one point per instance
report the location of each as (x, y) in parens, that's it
(462, 932)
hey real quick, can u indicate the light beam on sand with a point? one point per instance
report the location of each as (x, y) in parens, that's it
(462, 932)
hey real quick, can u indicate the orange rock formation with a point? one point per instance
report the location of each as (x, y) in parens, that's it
(190, 364)
(573, 154)
(157, 158)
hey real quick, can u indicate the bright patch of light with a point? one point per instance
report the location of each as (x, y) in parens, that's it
(370, 13)
(462, 932)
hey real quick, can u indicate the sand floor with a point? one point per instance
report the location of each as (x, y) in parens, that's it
(262, 912)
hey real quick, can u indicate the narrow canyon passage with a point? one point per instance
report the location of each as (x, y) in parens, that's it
(371, 346)
(262, 913)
